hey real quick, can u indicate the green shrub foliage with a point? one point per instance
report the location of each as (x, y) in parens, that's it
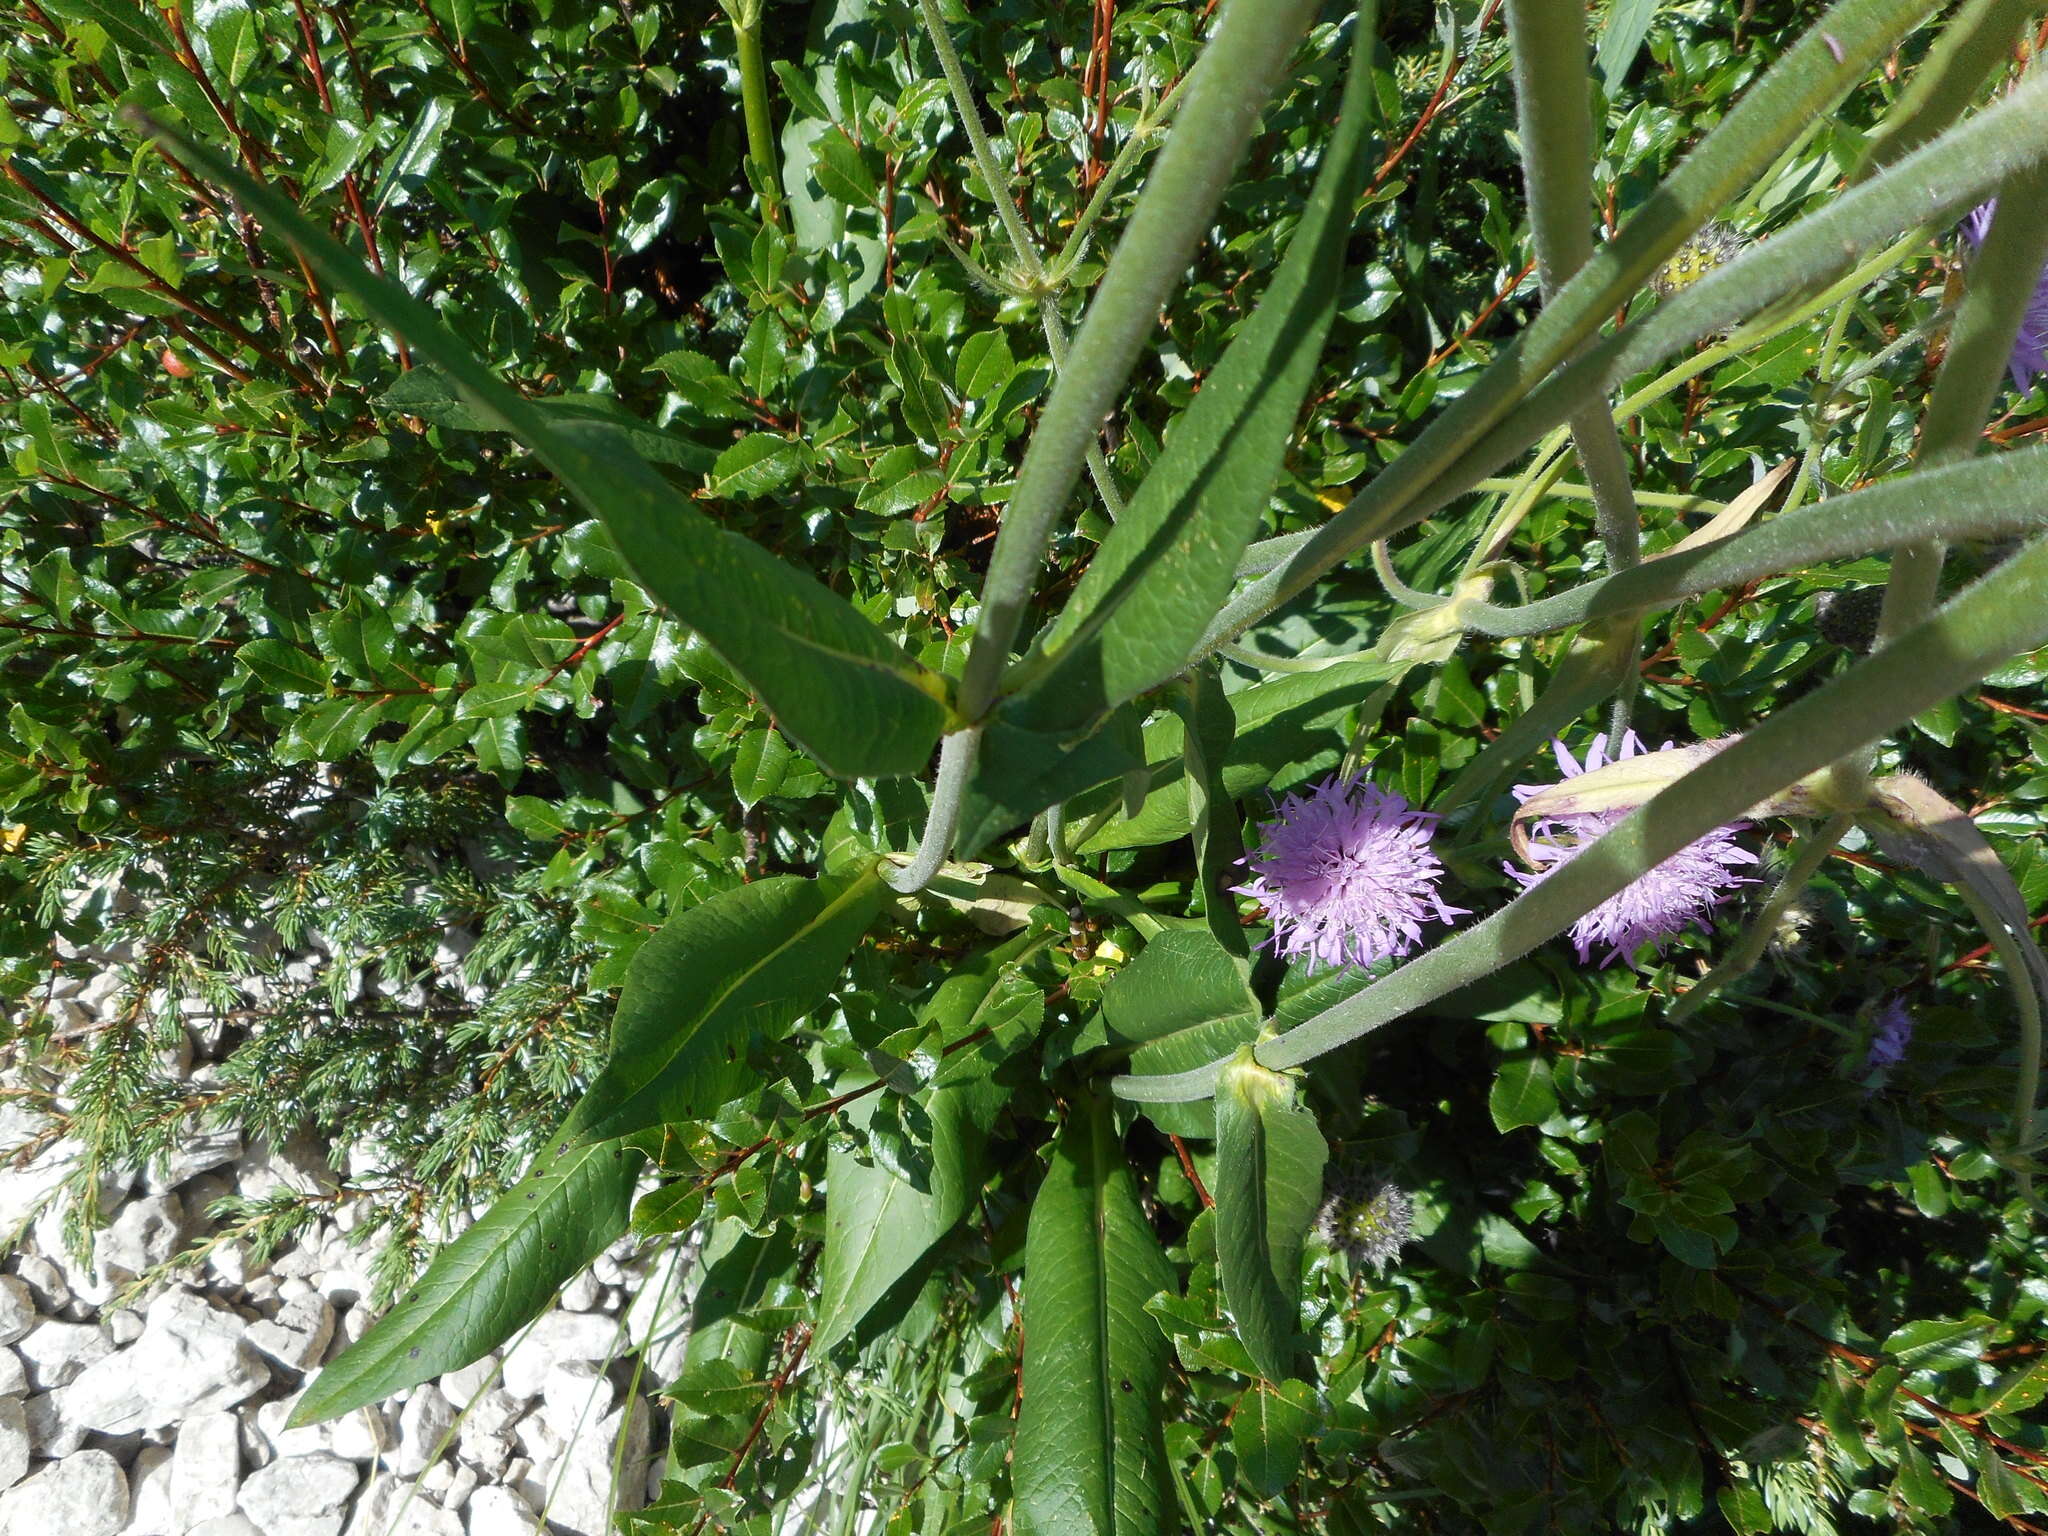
(681, 618)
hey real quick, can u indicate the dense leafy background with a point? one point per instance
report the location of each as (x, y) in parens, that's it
(292, 651)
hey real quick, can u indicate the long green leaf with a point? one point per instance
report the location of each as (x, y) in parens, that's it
(491, 1281)
(1269, 1181)
(1184, 1000)
(2000, 616)
(1091, 1452)
(835, 683)
(754, 958)
(1155, 582)
(1832, 55)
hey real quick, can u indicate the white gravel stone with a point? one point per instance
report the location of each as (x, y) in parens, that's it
(460, 1486)
(462, 1386)
(585, 1495)
(299, 1495)
(297, 1164)
(395, 1507)
(13, 1375)
(363, 1435)
(206, 1468)
(49, 1431)
(45, 1281)
(82, 1495)
(17, 1308)
(200, 1152)
(14, 1442)
(582, 1294)
(558, 1336)
(575, 1396)
(298, 1335)
(144, 1235)
(191, 1358)
(149, 1493)
(500, 1512)
(423, 1424)
(57, 1353)
(124, 1327)
(536, 1440)
(237, 1524)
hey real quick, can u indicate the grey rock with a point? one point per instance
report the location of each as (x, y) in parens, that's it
(423, 1425)
(124, 1326)
(14, 1442)
(462, 1386)
(57, 1353)
(237, 1524)
(83, 1495)
(500, 1512)
(557, 1336)
(206, 1468)
(49, 1431)
(298, 1335)
(363, 1435)
(298, 1164)
(576, 1395)
(299, 1495)
(582, 1294)
(13, 1375)
(461, 1484)
(585, 1495)
(144, 1235)
(45, 1282)
(396, 1507)
(149, 1493)
(191, 1358)
(198, 1152)
(17, 1308)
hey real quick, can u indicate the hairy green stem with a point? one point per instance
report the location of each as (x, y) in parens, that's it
(1028, 259)
(1812, 852)
(2002, 280)
(1972, 48)
(1230, 86)
(957, 753)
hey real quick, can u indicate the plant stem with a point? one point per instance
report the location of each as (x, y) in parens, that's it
(746, 34)
(956, 766)
(1812, 852)
(2002, 281)
(1227, 90)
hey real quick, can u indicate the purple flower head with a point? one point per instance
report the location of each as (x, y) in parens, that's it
(1894, 1032)
(1677, 894)
(2030, 347)
(1347, 874)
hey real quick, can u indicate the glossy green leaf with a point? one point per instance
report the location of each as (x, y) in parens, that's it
(836, 684)
(1157, 580)
(879, 1227)
(1182, 1001)
(1269, 1432)
(427, 393)
(491, 1281)
(752, 959)
(1090, 1457)
(1269, 1182)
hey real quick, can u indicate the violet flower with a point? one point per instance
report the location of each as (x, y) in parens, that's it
(1347, 874)
(1894, 1032)
(1675, 895)
(2030, 346)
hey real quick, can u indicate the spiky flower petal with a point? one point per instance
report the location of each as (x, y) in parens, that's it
(1368, 1221)
(1894, 1033)
(1347, 874)
(1677, 894)
(2030, 346)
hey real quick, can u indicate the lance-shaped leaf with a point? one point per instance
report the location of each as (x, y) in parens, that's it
(1210, 728)
(1157, 580)
(835, 683)
(755, 958)
(491, 1281)
(1091, 1452)
(1269, 1181)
